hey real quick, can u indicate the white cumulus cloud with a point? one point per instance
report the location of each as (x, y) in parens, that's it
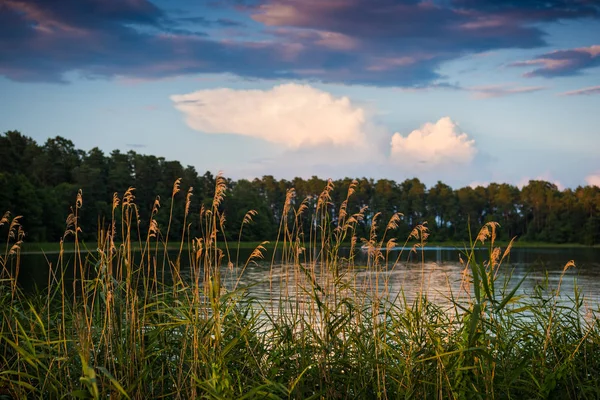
(294, 116)
(593, 179)
(433, 144)
(305, 130)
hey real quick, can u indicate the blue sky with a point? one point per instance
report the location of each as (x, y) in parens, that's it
(462, 91)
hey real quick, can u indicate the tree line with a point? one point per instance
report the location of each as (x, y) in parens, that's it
(40, 182)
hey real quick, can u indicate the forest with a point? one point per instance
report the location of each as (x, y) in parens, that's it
(41, 182)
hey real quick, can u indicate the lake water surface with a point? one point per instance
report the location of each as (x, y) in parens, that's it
(437, 271)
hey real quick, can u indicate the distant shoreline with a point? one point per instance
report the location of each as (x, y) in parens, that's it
(54, 248)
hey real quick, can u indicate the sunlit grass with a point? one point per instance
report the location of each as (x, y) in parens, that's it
(109, 325)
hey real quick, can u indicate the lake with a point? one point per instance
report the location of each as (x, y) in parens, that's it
(436, 270)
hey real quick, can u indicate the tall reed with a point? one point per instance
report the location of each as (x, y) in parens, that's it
(117, 323)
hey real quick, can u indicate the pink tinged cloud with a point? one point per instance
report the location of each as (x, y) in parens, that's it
(561, 61)
(297, 14)
(488, 21)
(434, 144)
(491, 91)
(336, 41)
(314, 38)
(593, 179)
(45, 22)
(546, 177)
(476, 184)
(547, 63)
(594, 51)
(391, 63)
(585, 91)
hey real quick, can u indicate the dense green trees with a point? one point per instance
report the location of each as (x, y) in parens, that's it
(40, 182)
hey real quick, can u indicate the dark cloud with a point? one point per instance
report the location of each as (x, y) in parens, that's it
(207, 22)
(374, 42)
(534, 10)
(398, 27)
(562, 62)
(92, 13)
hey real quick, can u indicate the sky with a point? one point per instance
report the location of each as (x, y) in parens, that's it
(463, 91)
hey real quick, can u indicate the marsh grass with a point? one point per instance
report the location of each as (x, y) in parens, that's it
(110, 325)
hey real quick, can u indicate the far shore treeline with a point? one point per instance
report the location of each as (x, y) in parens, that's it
(40, 182)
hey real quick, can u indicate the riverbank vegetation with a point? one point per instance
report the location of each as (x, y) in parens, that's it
(111, 325)
(40, 181)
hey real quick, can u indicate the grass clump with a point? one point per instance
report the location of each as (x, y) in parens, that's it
(127, 323)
